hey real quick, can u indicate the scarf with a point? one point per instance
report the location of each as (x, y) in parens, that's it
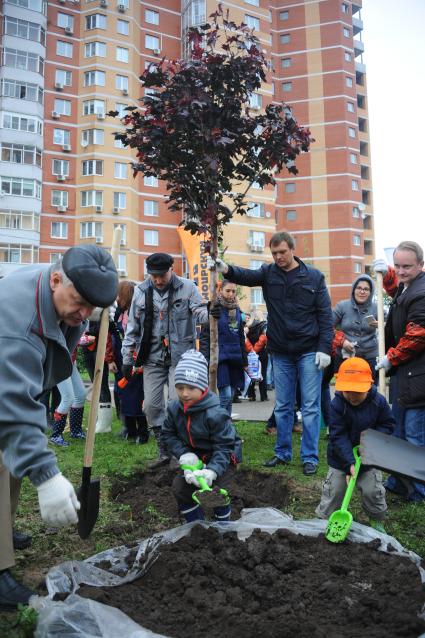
(231, 306)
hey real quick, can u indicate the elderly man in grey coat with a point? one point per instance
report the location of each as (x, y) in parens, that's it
(37, 333)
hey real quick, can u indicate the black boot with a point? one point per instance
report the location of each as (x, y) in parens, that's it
(163, 456)
(21, 541)
(142, 429)
(131, 427)
(12, 593)
(76, 423)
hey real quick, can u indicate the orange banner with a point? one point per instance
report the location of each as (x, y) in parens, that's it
(196, 257)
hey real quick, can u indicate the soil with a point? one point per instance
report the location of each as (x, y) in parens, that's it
(282, 585)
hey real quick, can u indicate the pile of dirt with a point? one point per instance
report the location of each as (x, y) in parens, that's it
(209, 585)
(154, 507)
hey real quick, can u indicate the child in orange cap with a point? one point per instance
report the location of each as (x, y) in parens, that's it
(357, 406)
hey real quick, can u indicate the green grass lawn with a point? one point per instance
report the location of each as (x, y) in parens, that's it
(115, 458)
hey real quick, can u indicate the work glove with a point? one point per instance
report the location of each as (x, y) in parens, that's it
(322, 360)
(215, 310)
(189, 458)
(58, 501)
(127, 370)
(208, 475)
(385, 363)
(217, 264)
(190, 478)
(380, 265)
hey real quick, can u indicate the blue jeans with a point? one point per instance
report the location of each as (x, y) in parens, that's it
(287, 370)
(226, 398)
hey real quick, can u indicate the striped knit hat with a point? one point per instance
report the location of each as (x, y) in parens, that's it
(192, 369)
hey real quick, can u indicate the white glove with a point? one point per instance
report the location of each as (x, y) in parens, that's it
(190, 478)
(58, 501)
(208, 475)
(380, 265)
(217, 264)
(385, 363)
(189, 458)
(322, 360)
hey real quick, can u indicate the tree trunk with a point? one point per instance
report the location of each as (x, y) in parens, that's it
(213, 322)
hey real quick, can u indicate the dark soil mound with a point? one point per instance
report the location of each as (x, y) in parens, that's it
(154, 508)
(208, 585)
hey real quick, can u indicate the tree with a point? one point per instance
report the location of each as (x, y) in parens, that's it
(196, 132)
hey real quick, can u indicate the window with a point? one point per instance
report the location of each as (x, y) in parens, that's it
(150, 208)
(34, 5)
(354, 185)
(346, 32)
(357, 267)
(254, 264)
(95, 21)
(150, 181)
(349, 82)
(64, 49)
(120, 170)
(93, 136)
(361, 101)
(54, 257)
(90, 107)
(59, 230)
(123, 232)
(120, 107)
(121, 82)
(356, 240)
(91, 198)
(256, 210)
(257, 238)
(287, 87)
(60, 167)
(62, 106)
(347, 56)
(344, 8)
(61, 136)
(283, 15)
(286, 62)
(59, 198)
(65, 20)
(120, 200)
(350, 107)
(255, 101)
(256, 296)
(290, 187)
(150, 237)
(255, 3)
(95, 49)
(119, 143)
(285, 38)
(122, 264)
(356, 211)
(92, 167)
(20, 154)
(123, 27)
(21, 186)
(122, 54)
(24, 29)
(151, 17)
(351, 132)
(353, 158)
(19, 220)
(152, 42)
(94, 78)
(23, 60)
(252, 23)
(291, 215)
(91, 229)
(63, 77)
(22, 90)
(22, 123)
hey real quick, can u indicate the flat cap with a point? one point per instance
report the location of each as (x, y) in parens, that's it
(159, 263)
(92, 271)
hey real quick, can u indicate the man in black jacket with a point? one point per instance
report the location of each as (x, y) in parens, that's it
(299, 333)
(405, 351)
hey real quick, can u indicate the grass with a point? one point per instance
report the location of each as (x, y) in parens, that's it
(115, 458)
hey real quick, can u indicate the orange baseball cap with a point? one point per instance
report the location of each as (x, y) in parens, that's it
(354, 375)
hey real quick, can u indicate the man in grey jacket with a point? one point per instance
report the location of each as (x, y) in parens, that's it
(161, 327)
(44, 312)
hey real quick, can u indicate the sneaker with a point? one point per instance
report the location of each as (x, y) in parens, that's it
(275, 461)
(12, 593)
(80, 435)
(377, 525)
(309, 469)
(59, 440)
(235, 416)
(20, 540)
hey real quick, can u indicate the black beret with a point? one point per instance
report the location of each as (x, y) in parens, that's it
(159, 263)
(92, 271)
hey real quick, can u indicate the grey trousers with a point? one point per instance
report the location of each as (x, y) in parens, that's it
(9, 495)
(155, 378)
(369, 484)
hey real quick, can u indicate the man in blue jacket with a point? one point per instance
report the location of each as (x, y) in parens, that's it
(299, 333)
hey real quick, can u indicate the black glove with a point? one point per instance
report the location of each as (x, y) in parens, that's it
(215, 310)
(127, 371)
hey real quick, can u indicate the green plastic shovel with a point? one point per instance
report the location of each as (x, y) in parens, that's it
(207, 497)
(340, 521)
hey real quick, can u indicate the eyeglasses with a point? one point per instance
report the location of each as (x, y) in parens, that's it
(362, 289)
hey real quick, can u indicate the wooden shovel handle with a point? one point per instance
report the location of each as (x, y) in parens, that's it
(381, 330)
(98, 369)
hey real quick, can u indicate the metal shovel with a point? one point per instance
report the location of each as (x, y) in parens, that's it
(394, 455)
(340, 521)
(89, 491)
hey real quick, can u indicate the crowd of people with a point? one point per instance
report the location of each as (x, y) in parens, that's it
(158, 350)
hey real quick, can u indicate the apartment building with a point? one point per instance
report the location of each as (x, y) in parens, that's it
(85, 59)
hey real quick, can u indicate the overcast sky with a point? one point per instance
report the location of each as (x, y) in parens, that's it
(394, 39)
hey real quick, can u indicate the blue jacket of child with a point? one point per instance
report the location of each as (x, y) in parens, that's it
(347, 421)
(204, 428)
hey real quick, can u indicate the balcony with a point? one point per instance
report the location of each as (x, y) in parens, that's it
(357, 26)
(360, 69)
(358, 47)
(368, 247)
